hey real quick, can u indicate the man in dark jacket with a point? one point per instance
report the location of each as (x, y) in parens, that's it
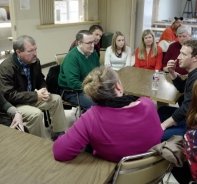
(174, 119)
(22, 84)
(9, 115)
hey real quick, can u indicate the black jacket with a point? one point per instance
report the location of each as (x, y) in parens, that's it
(186, 87)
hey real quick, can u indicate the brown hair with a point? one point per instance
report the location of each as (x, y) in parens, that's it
(100, 84)
(193, 45)
(113, 45)
(192, 113)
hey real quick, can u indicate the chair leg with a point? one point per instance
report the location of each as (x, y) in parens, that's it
(167, 181)
(76, 112)
(47, 119)
(78, 101)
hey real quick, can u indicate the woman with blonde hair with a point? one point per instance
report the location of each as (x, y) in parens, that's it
(148, 55)
(118, 55)
(115, 126)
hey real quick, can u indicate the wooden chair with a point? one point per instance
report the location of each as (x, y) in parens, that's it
(102, 57)
(147, 169)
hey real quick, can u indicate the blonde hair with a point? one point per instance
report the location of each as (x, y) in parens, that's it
(142, 46)
(99, 84)
(113, 45)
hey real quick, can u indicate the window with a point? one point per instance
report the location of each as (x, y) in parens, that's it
(68, 11)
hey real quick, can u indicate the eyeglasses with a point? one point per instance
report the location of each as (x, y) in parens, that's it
(88, 43)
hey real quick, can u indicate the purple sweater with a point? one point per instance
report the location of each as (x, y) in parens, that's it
(112, 132)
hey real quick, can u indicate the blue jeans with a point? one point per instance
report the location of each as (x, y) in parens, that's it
(85, 102)
(164, 113)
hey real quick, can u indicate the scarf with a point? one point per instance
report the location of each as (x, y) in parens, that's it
(118, 102)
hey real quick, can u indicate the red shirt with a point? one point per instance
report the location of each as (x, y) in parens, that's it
(153, 63)
(169, 35)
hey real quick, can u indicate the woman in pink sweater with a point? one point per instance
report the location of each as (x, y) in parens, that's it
(116, 127)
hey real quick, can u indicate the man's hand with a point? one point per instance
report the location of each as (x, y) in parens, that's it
(43, 94)
(168, 123)
(171, 66)
(17, 122)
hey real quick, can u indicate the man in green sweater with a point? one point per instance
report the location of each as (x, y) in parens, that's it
(75, 67)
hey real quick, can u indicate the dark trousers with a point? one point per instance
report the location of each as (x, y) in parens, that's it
(182, 174)
(85, 102)
(164, 113)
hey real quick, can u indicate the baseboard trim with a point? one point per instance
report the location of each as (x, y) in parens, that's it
(48, 64)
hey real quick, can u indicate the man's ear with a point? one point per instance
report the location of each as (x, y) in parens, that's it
(18, 52)
(195, 58)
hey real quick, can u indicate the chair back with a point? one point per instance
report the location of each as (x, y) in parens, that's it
(52, 79)
(102, 57)
(59, 58)
(147, 169)
(53, 87)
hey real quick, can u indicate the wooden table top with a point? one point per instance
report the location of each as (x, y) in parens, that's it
(26, 158)
(138, 82)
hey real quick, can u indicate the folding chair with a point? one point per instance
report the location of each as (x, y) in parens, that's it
(147, 169)
(52, 85)
(59, 58)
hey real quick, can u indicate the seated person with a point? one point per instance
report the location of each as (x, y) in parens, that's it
(190, 138)
(170, 33)
(97, 32)
(9, 115)
(173, 118)
(115, 126)
(76, 66)
(118, 55)
(148, 55)
(183, 34)
(20, 77)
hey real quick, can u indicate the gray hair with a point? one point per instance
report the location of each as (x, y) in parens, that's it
(18, 44)
(184, 29)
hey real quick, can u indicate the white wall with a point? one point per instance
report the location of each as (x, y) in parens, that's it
(49, 41)
(144, 18)
(173, 8)
(116, 15)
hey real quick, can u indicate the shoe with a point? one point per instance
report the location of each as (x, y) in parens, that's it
(55, 135)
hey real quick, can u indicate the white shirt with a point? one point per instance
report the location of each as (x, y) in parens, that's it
(115, 62)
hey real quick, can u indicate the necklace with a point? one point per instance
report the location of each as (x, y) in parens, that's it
(119, 55)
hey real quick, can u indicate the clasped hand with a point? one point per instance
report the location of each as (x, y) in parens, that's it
(43, 94)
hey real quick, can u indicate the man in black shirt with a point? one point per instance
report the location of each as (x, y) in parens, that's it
(172, 118)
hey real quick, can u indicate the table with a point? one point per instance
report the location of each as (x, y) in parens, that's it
(138, 82)
(25, 158)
